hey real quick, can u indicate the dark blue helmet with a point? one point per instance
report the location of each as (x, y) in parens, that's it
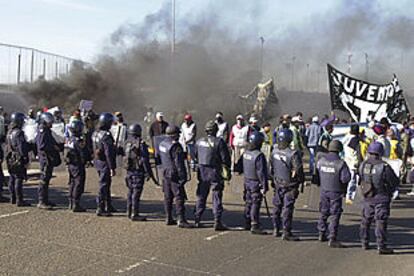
(47, 119)
(135, 130)
(106, 120)
(376, 148)
(285, 135)
(256, 139)
(17, 119)
(211, 128)
(76, 127)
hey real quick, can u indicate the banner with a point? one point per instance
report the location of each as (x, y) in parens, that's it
(365, 101)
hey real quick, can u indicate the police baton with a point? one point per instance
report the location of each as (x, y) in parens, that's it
(266, 205)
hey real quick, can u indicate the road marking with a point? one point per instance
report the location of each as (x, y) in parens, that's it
(129, 268)
(216, 236)
(152, 261)
(14, 214)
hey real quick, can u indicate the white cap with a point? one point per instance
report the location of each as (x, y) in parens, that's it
(315, 119)
(239, 117)
(159, 115)
(296, 119)
(253, 120)
(218, 115)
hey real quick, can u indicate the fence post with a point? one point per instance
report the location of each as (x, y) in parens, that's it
(32, 67)
(19, 57)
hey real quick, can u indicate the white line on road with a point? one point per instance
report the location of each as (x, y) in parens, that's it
(216, 236)
(14, 214)
(152, 261)
(129, 268)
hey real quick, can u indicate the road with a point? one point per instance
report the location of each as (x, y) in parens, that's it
(37, 242)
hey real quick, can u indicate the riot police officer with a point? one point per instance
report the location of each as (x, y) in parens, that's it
(212, 154)
(255, 181)
(17, 158)
(334, 175)
(378, 182)
(105, 163)
(287, 173)
(49, 157)
(172, 158)
(136, 162)
(76, 158)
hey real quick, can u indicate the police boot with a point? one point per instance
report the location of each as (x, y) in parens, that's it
(77, 208)
(247, 225)
(288, 236)
(333, 243)
(383, 250)
(70, 206)
(197, 223)
(100, 211)
(129, 211)
(22, 203)
(219, 226)
(136, 217)
(182, 222)
(276, 232)
(13, 199)
(322, 237)
(365, 245)
(257, 230)
(169, 219)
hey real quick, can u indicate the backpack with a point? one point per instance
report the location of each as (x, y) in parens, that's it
(367, 185)
(13, 158)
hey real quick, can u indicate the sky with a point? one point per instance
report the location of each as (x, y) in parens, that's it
(79, 28)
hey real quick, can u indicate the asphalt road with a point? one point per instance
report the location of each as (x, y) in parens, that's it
(37, 242)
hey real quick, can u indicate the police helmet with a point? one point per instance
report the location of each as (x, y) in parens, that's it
(335, 146)
(256, 139)
(211, 128)
(76, 127)
(376, 148)
(285, 135)
(106, 120)
(135, 130)
(47, 118)
(17, 119)
(172, 130)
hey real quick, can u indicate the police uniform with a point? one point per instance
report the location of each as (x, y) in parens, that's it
(284, 163)
(105, 161)
(255, 180)
(172, 158)
(376, 203)
(17, 143)
(334, 176)
(211, 153)
(49, 157)
(76, 158)
(137, 165)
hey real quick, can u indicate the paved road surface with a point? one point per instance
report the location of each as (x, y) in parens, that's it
(35, 242)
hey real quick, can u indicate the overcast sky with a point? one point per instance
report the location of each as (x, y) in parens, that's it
(78, 28)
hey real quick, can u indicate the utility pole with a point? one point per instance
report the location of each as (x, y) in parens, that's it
(19, 59)
(44, 68)
(261, 58)
(32, 67)
(349, 62)
(366, 67)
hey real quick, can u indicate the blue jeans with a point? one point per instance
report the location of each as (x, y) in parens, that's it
(352, 185)
(312, 153)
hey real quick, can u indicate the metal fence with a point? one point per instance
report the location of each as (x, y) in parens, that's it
(20, 64)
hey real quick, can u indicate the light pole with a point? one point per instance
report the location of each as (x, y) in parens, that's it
(366, 67)
(261, 57)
